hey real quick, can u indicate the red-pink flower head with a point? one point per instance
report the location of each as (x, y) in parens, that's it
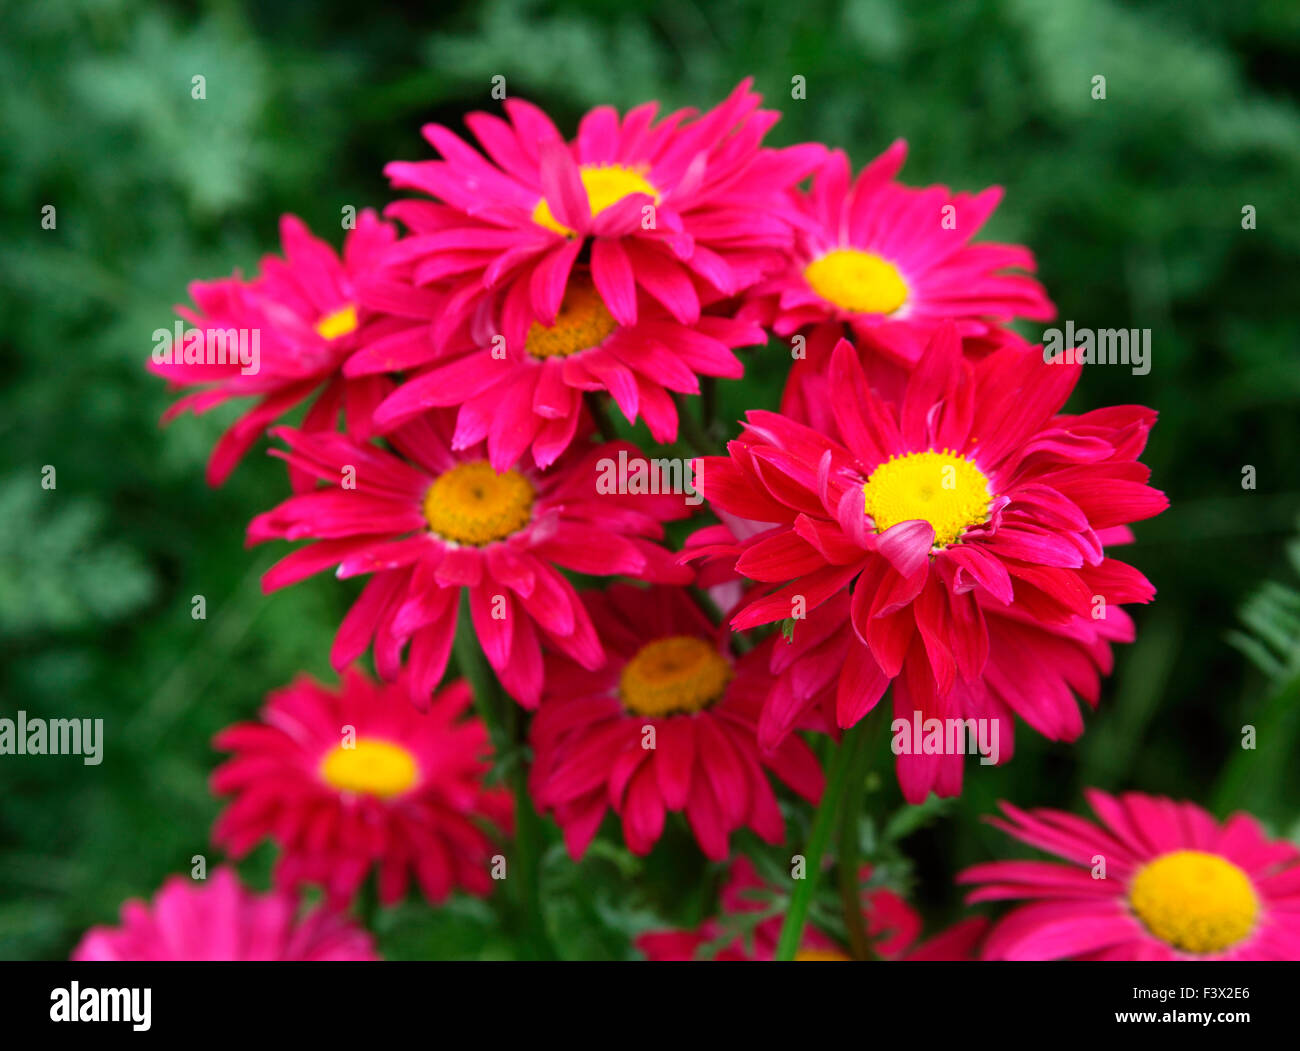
(893, 262)
(355, 779)
(885, 264)
(1155, 880)
(667, 723)
(519, 384)
(690, 205)
(968, 518)
(218, 919)
(294, 325)
(427, 522)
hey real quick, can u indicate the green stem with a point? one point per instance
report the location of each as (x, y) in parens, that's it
(367, 901)
(528, 844)
(709, 402)
(823, 822)
(689, 428)
(849, 853)
(482, 682)
(707, 604)
(506, 728)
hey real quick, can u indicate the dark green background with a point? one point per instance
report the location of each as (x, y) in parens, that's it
(1132, 204)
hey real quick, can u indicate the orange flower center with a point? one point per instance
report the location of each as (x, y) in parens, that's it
(472, 504)
(582, 323)
(821, 956)
(680, 673)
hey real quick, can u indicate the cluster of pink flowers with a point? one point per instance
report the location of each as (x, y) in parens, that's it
(921, 514)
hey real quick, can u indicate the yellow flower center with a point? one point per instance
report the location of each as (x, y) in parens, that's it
(341, 322)
(582, 323)
(681, 673)
(1194, 901)
(371, 766)
(858, 281)
(943, 488)
(472, 504)
(605, 184)
(821, 956)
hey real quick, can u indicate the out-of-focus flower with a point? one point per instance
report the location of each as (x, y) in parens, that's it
(352, 779)
(282, 338)
(218, 919)
(1156, 879)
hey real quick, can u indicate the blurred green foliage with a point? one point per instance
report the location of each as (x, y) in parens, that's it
(1132, 204)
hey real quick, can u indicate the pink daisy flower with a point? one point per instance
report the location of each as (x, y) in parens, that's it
(667, 723)
(1155, 880)
(885, 264)
(218, 919)
(968, 518)
(524, 389)
(691, 201)
(305, 317)
(891, 925)
(349, 779)
(426, 522)
(892, 262)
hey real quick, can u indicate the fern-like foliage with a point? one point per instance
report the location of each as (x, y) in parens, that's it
(1270, 617)
(61, 571)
